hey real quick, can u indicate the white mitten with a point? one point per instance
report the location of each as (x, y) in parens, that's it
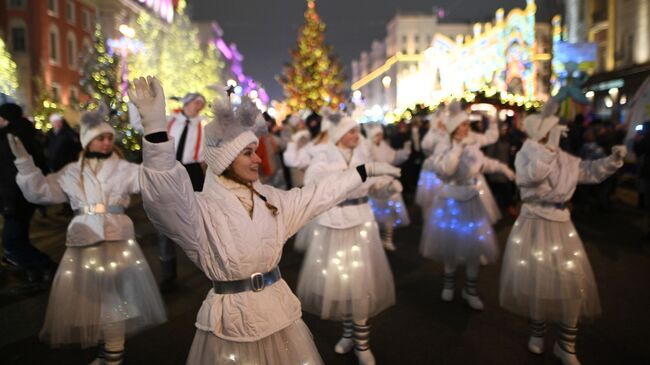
(149, 97)
(17, 147)
(507, 172)
(382, 168)
(554, 136)
(619, 152)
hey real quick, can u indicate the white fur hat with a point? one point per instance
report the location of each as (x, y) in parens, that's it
(93, 123)
(374, 130)
(456, 117)
(55, 117)
(537, 126)
(340, 125)
(190, 97)
(230, 132)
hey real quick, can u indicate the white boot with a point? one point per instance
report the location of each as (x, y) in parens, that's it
(365, 357)
(346, 343)
(389, 245)
(448, 283)
(447, 294)
(473, 301)
(536, 345)
(567, 358)
(97, 361)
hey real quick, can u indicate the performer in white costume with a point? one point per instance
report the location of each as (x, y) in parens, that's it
(458, 229)
(234, 231)
(345, 275)
(391, 212)
(546, 275)
(103, 289)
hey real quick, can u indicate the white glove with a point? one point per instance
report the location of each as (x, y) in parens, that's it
(507, 172)
(619, 152)
(149, 97)
(395, 187)
(554, 136)
(17, 147)
(382, 168)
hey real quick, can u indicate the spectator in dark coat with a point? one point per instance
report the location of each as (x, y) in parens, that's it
(642, 151)
(16, 211)
(63, 144)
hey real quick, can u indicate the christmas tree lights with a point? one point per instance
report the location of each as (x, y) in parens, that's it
(8, 78)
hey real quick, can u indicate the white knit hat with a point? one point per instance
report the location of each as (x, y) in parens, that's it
(230, 132)
(190, 97)
(93, 123)
(456, 117)
(55, 117)
(373, 130)
(538, 125)
(339, 124)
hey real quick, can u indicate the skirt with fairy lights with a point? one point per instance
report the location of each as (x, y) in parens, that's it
(546, 273)
(489, 203)
(98, 285)
(390, 211)
(346, 275)
(428, 185)
(292, 345)
(458, 231)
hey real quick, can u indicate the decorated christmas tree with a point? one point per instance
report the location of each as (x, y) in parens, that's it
(100, 78)
(8, 79)
(44, 106)
(314, 78)
(174, 54)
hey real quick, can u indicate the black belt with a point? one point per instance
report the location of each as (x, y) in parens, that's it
(547, 204)
(257, 282)
(357, 201)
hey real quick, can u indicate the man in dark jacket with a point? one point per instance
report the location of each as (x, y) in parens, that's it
(63, 144)
(16, 211)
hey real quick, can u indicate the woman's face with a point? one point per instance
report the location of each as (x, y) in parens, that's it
(194, 107)
(246, 165)
(102, 143)
(377, 138)
(350, 139)
(461, 132)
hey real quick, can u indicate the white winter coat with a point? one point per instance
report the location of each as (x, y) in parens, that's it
(112, 185)
(330, 161)
(551, 177)
(459, 166)
(219, 236)
(385, 153)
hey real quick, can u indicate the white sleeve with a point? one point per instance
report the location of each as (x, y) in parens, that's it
(492, 166)
(595, 171)
(428, 142)
(37, 188)
(490, 136)
(531, 170)
(300, 205)
(446, 158)
(295, 157)
(170, 201)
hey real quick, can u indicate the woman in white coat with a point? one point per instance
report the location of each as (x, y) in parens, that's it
(458, 230)
(428, 182)
(546, 275)
(391, 212)
(103, 288)
(234, 231)
(345, 275)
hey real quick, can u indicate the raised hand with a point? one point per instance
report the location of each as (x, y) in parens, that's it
(149, 97)
(382, 168)
(17, 147)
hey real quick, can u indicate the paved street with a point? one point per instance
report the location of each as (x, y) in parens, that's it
(420, 329)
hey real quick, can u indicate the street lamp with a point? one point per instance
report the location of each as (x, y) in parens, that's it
(386, 81)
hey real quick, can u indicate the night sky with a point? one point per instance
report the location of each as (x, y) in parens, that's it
(265, 30)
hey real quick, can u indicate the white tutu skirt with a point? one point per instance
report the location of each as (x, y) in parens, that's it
(428, 185)
(489, 203)
(305, 235)
(546, 273)
(292, 345)
(345, 274)
(391, 211)
(457, 232)
(97, 285)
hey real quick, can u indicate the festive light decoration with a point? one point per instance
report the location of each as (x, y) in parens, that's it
(100, 79)
(313, 79)
(174, 55)
(8, 78)
(44, 106)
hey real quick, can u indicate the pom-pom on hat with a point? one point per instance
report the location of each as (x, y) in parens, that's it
(456, 117)
(230, 132)
(93, 123)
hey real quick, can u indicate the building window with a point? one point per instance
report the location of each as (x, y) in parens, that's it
(417, 39)
(70, 12)
(56, 92)
(74, 95)
(55, 56)
(404, 39)
(53, 7)
(18, 38)
(85, 20)
(16, 4)
(72, 51)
